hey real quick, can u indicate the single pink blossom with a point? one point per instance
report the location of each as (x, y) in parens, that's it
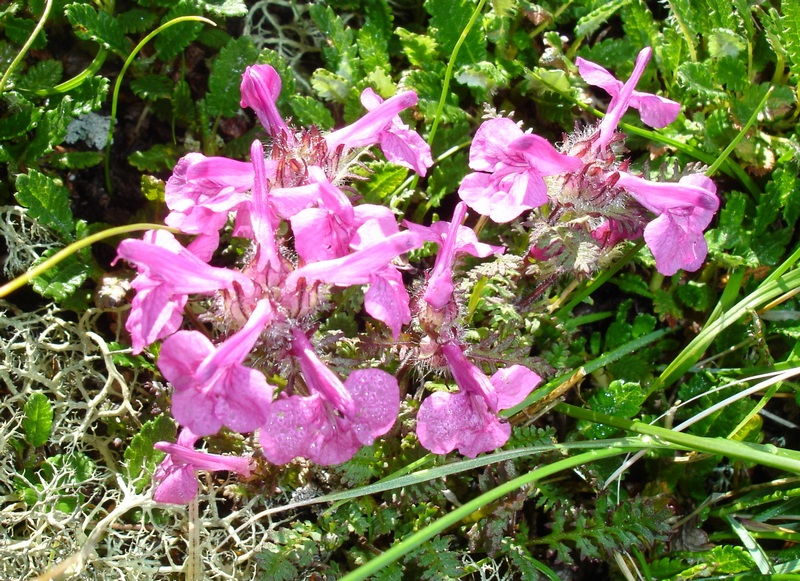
(684, 210)
(468, 419)
(509, 170)
(168, 273)
(202, 191)
(262, 216)
(212, 387)
(176, 476)
(382, 125)
(329, 425)
(261, 86)
(655, 111)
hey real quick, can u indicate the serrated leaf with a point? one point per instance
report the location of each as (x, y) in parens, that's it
(620, 399)
(152, 87)
(224, 82)
(373, 47)
(725, 42)
(43, 75)
(171, 41)
(19, 123)
(384, 179)
(699, 78)
(339, 51)
(160, 157)
(38, 420)
(52, 128)
(589, 23)
(100, 27)
(47, 202)
(19, 30)
(60, 282)
(448, 20)
(141, 457)
(696, 295)
(89, 96)
(137, 20)
(420, 50)
(791, 34)
(330, 86)
(153, 188)
(76, 159)
(309, 111)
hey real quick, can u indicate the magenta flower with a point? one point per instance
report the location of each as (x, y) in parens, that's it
(468, 419)
(655, 111)
(261, 86)
(684, 210)
(176, 478)
(452, 238)
(382, 125)
(330, 424)
(212, 387)
(386, 299)
(203, 190)
(509, 170)
(168, 273)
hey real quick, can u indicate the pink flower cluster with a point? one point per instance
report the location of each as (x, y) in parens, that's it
(585, 178)
(306, 238)
(254, 367)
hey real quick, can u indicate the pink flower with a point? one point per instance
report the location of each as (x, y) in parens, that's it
(655, 111)
(382, 125)
(386, 299)
(684, 210)
(168, 273)
(175, 477)
(203, 190)
(467, 419)
(509, 170)
(212, 387)
(330, 424)
(453, 238)
(261, 86)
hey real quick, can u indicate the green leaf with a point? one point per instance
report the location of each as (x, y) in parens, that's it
(724, 42)
(373, 45)
(589, 23)
(152, 87)
(89, 96)
(100, 27)
(420, 50)
(38, 420)
(43, 75)
(171, 41)
(52, 128)
(698, 78)
(160, 157)
(331, 86)
(141, 457)
(153, 188)
(19, 30)
(339, 50)
(60, 282)
(791, 34)
(47, 202)
(224, 93)
(137, 20)
(448, 20)
(620, 399)
(19, 122)
(309, 111)
(384, 179)
(696, 295)
(76, 159)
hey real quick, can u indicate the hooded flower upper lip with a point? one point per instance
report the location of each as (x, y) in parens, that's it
(176, 481)
(330, 424)
(382, 125)
(655, 111)
(509, 170)
(467, 419)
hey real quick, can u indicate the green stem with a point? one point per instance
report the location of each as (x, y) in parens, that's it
(118, 84)
(767, 455)
(413, 541)
(43, 267)
(732, 145)
(76, 81)
(24, 50)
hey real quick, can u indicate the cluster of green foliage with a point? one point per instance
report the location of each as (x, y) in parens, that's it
(631, 335)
